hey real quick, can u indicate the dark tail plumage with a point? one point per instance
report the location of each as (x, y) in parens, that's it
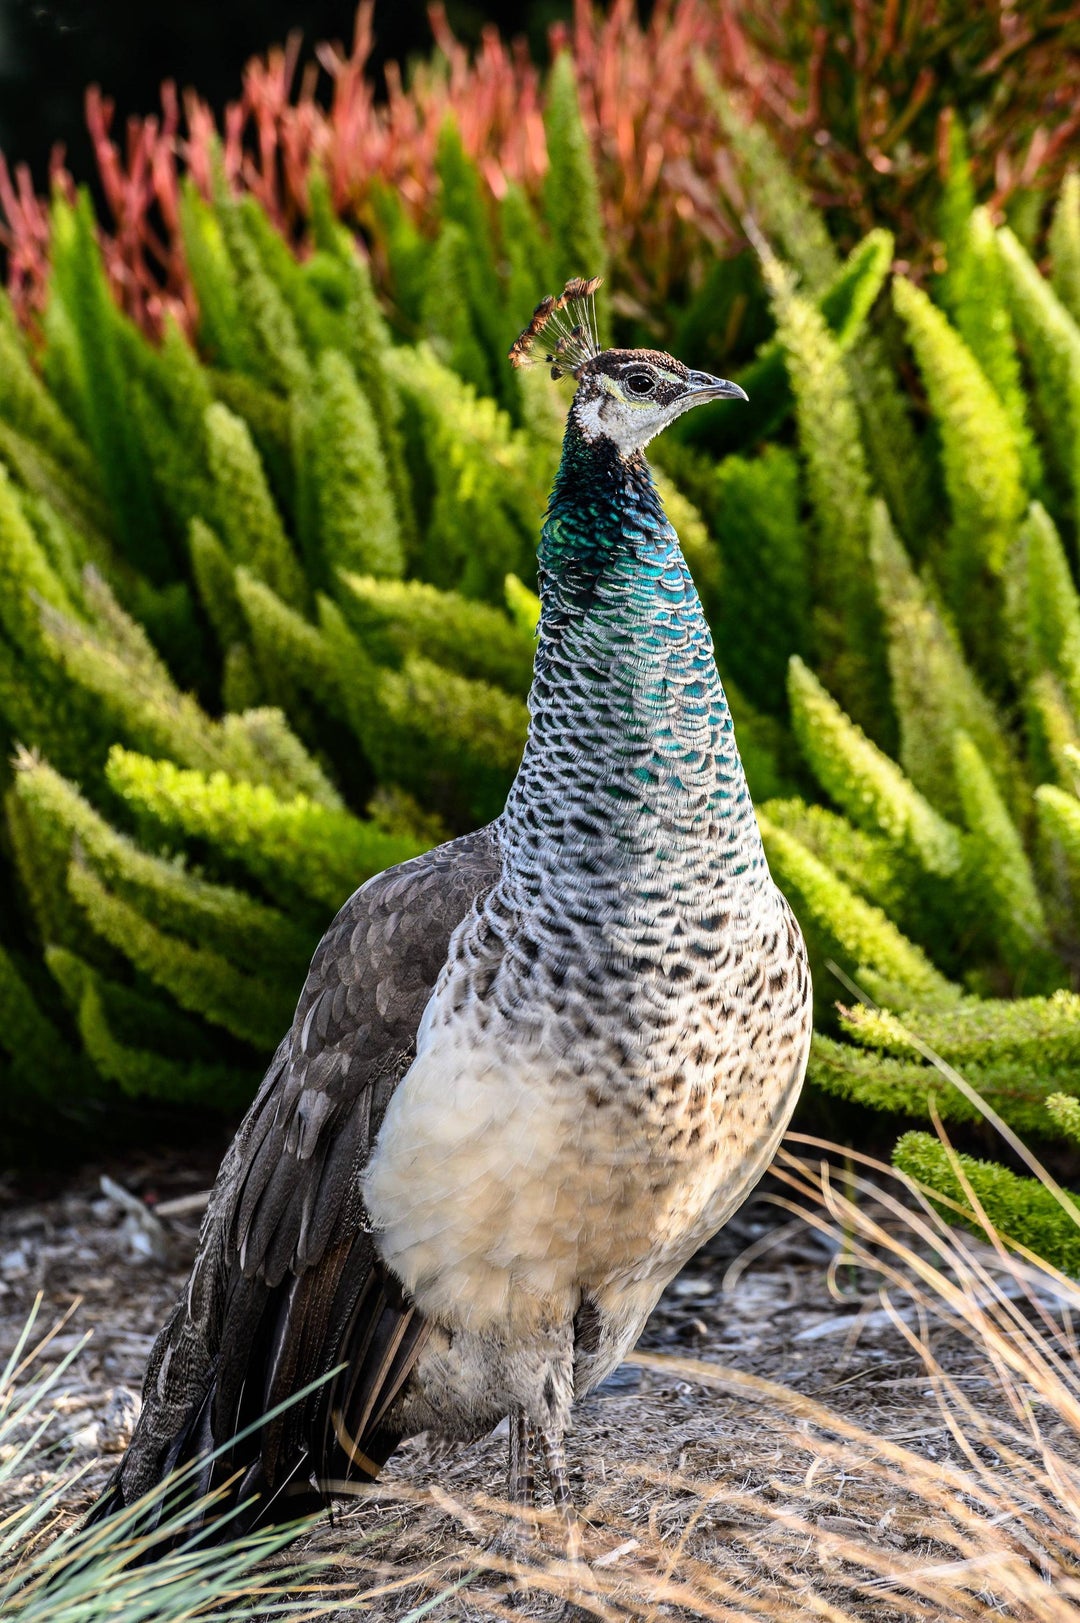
(265, 1442)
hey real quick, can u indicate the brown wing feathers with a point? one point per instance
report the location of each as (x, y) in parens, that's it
(286, 1284)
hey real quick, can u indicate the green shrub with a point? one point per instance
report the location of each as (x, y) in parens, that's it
(1021, 1209)
(267, 622)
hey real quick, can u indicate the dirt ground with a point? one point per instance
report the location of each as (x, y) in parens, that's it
(670, 1467)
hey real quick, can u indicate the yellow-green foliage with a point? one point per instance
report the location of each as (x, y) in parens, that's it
(934, 690)
(1021, 1209)
(864, 782)
(221, 330)
(26, 578)
(954, 214)
(854, 290)
(274, 351)
(868, 863)
(571, 194)
(267, 615)
(840, 925)
(1065, 1110)
(524, 606)
(979, 1032)
(846, 618)
(1052, 729)
(35, 701)
(1019, 1090)
(845, 302)
(80, 508)
(98, 374)
(1047, 615)
(290, 652)
(292, 845)
(28, 407)
(1059, 824)
(61, 364)
(1001, 874)
(172, 393)
(269, 418)
(447, 313)
(983, 473)
(1052, 340)
(396, 618)
(983, 322)
(486, 496)
(783, 210)
(305, 318)
(215, 579)
(450, 740)
(142, 1073)
(352, 519)
(180, 902)
(760, 603)
(28, 1037)
(903, 1087)
(463, 209)
(363, 336)
(1065, 245)
(66, 552)
(901, 469)
(114, 662)
(200, 979)
(251, 524)
(782, 206)
(526, 255)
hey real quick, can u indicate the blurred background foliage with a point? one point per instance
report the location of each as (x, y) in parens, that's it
(269, 500)
(50, 50)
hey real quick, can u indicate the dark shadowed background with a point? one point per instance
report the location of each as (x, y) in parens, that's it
(50, 50)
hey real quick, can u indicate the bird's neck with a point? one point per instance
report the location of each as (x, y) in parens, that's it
(631, 747)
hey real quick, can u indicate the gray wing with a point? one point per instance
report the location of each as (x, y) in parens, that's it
(286, 1283)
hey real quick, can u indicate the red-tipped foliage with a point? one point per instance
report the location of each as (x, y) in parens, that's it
(855, 102)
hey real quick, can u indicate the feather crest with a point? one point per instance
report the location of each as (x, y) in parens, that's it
(563, 329)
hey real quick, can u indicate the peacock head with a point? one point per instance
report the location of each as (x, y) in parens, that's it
(623, 395)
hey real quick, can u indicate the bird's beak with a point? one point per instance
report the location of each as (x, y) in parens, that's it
(705, 387)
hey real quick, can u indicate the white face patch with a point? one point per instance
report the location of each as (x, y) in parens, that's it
(588, 418)
(628, 424)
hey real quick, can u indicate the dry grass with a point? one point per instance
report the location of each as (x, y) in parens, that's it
(930, 1472)
(793, 1510)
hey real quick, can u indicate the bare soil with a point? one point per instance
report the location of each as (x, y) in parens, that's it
(661, 1461)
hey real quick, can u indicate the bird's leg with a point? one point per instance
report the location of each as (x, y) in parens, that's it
(521, 1477)
(521, 1493)
(555, 1458)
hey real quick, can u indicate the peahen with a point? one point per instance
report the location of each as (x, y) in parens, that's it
(530, 1072)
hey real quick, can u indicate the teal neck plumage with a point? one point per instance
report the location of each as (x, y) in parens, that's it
(631, 757)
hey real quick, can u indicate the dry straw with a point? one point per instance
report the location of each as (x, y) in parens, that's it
(786, 1509)
(848, 1524)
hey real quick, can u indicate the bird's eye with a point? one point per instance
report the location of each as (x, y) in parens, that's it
(641, 383)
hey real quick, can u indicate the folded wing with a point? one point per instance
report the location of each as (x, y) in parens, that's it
(286, 1284)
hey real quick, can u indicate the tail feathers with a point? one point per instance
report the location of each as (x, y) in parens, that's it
(167, 1478)
(110, 1502)
(275, 1342)
(381, 1345)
